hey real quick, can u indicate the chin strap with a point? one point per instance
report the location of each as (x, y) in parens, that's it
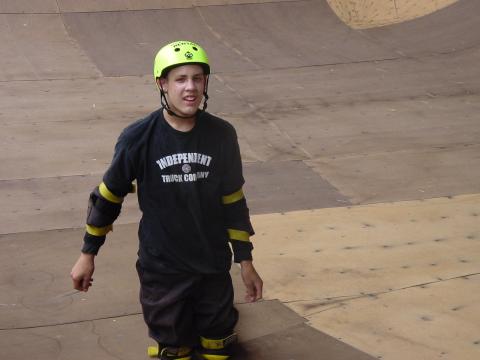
(166, 106)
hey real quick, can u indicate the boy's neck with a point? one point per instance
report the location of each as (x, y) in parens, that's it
(179, 124)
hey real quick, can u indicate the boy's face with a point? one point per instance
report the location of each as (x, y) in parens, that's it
(184, 87)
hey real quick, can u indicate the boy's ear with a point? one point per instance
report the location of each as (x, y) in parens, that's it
(161, 83)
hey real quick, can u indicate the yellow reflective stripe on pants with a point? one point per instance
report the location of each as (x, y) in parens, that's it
(238, 235)
(107, 194)
(211, 343)
(98, 231)
(218, 344)
(234, 197)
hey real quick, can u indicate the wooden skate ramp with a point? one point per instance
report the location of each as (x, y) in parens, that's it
(361, 14)
(361, 160)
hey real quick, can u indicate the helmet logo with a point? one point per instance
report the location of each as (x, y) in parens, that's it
(188, 55)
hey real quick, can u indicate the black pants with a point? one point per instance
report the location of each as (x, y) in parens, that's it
(178, 308)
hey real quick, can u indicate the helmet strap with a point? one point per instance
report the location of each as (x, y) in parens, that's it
(205, 93)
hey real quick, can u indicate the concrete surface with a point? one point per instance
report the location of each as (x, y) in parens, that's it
(361, 151)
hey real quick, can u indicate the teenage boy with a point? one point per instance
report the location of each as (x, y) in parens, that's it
(188, 171)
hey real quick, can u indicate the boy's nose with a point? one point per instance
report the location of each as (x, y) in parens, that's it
(190, 84)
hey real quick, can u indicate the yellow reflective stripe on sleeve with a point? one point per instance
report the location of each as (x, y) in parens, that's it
(107, 194)
(238, 235)
(234, 197)
(98, 231)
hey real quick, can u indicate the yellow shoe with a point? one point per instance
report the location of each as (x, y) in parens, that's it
(168, 353)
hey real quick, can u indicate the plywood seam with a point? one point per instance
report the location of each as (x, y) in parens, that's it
(192, 6)
(425, 150)
(401, 57)
(355, 206)
(223, 41)
(339, 300)
(71, 322)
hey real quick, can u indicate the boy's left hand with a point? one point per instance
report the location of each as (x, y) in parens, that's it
(252, 281)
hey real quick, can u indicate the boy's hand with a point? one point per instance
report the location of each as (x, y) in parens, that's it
(252, 281)
(82, 272)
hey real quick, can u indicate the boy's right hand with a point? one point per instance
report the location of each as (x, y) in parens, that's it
(82, 272)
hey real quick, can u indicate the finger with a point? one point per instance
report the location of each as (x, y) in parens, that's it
(256, 291)
(77, 285)
(249, 298)
(250, 293)
(250, 287)
(259, 291)
(86, 284)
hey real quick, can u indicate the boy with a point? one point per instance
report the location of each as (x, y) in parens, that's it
(188, 170)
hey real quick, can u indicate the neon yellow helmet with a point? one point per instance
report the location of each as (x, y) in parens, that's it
(179, 53)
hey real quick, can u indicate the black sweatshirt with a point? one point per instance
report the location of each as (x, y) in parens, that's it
(183, 179)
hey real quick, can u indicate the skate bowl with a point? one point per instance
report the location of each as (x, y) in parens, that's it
(361, 14)
(359, 131)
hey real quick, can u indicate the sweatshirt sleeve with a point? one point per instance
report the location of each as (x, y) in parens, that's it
(106, 200)
(122, 170)
(236, 212)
